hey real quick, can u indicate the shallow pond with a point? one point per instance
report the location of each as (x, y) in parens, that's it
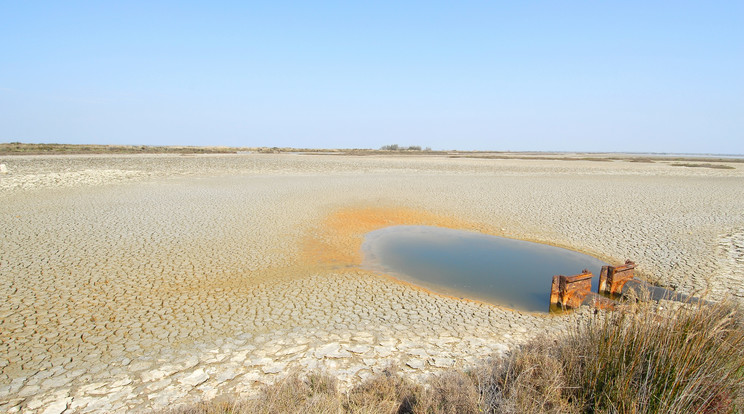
(507, 272)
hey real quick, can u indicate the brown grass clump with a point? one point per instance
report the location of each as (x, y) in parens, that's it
(385, 393)
(315, 394)
(390, 393)
(642, 359)
(530, 380)
(687, 360)
(639, 360)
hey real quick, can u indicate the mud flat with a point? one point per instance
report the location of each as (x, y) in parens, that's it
(130, 283)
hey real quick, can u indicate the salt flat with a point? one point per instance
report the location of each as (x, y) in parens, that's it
(137, 282)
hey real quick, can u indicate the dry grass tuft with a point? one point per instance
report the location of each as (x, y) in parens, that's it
(389, 393)
(643, 359)
(385, 393)
(528, 381)
(316, 394)
(453, 392)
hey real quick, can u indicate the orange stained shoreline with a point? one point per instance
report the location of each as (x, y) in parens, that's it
(338, 240)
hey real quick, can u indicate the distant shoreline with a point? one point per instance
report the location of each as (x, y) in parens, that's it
(18, 148)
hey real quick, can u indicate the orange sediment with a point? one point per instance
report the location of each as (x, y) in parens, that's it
(338, 240)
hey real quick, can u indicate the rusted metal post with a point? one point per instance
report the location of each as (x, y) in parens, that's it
(570, 291)
(613, 278)
(555, 295)
(602, 287)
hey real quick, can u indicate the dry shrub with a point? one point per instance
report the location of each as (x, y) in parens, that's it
(451, 392)
(643, 359)
(387, 392)
(640, 359)
(209, 407)
(530, 380)
(315, 394)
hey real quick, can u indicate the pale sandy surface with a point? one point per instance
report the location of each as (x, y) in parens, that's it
(136, 282)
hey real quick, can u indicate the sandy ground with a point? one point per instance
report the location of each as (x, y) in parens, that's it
(130, 283)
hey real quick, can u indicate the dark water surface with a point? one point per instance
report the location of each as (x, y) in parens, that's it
(512, 273)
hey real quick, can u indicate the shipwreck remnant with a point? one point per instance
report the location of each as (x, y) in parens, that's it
(613, 278)
(570, 291)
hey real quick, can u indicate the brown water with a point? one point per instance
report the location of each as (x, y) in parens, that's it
(507, 272)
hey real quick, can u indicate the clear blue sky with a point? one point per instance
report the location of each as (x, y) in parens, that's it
(516, 75)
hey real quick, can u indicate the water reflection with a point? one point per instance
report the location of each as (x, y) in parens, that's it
(506, 272)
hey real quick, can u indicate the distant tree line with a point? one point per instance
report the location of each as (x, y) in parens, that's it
(396, 147)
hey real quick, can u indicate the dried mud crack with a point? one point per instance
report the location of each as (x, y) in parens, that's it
(132, 283)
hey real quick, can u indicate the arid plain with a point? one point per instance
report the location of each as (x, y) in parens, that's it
(138, 282)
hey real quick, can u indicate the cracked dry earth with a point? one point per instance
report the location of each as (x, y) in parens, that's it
(133, 283)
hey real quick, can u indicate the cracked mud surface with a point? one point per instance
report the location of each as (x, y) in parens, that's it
(131, 283)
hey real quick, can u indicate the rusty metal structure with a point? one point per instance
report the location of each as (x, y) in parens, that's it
(612, 279)
(570, 292)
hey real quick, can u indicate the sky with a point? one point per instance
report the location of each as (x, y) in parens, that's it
(621, 76)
